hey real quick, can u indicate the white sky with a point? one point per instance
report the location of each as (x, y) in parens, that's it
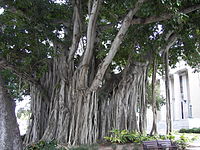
(23, 123)
(1, 10)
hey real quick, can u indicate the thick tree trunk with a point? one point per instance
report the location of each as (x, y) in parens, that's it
(70, 113)
(9, 131)
(142, 101)
(76, 116)
(168, 102)
(73, 113)
(154, 130)
(120, 111)
(39, 117)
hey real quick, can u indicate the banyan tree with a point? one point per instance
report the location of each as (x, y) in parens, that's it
(85, 62)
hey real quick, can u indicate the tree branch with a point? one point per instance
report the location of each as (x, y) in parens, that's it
(171, 38)
(164, 16)
(6, 65)
(115, 46)
(91, 32)
(76, 31)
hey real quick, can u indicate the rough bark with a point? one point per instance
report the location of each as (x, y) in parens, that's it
(154, 129)
(143, 102)
(39, 116)
(120, 111)
(76, 31)
(9, 131)
(170, 39)
(115, 45)
(74, 114)
(168, 101)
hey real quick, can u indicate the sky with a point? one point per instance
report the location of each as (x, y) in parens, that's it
(1, 10)
(23, 121)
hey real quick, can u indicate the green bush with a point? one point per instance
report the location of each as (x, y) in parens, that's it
(193, 130)
(125, 136)
(183, 141)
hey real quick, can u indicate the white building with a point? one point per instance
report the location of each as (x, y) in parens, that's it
(185, 99)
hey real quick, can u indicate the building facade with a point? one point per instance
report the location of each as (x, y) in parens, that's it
(184, 96)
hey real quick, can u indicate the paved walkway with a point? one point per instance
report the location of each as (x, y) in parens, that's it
(194, 145)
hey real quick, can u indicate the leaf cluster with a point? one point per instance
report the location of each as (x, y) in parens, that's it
(160, 100)
(193, 130)
(15, 86)
(124, 136)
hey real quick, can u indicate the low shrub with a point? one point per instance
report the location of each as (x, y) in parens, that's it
(125, 136)
(183, 141)
(193, 130)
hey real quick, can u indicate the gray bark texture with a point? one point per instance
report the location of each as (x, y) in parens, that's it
(170, 40)
(168, 101)
(9, 131)
(75, 110)
(73, 115)
(154, 129)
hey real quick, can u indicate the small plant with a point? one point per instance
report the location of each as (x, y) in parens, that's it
(183, 142)
(125, 136)
(118, 136)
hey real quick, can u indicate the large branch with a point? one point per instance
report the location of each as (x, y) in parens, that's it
(76, 31)
(170, 39)
(164, 16)
(5, 65)
(115, 46)
(91, 32)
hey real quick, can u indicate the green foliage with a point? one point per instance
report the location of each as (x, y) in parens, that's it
(125, 136)
(169, 136)
(23, 113)
(183, 141)
(160, 101)
(28, 32)
(14, 84)
(43, 145)
(193, 130)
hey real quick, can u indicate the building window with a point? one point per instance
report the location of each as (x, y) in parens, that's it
(182, 111)
(181, 86)
(183, 83)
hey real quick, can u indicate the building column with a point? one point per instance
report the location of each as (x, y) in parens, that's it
(177, 101)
